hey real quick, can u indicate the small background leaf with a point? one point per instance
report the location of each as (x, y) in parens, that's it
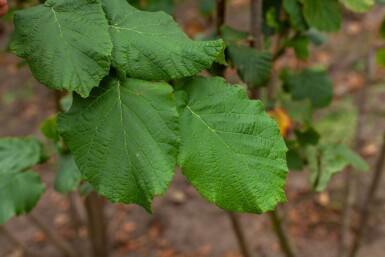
(18, 154)
(68, 176)
(253, 67)
(310, 84)
(19, 193)
(324, 15)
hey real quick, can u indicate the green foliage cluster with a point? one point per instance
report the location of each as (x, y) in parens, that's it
(128, 128)
(139, 110)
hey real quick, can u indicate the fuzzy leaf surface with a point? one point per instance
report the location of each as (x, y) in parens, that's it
(151, 46)
(65, 42)
(124, 138)
(231, 151)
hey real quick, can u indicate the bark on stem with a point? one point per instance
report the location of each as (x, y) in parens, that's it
(365, 208)
(256, 39)
(256, 22)
(52, 236)
(220, 15)
(351, 175)
(13, 239)
(97, 225)
(240, 235)
(280, 231)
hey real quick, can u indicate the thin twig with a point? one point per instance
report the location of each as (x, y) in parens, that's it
(256, 37)
(256, 21)
(51, 235)
(220, 15)
(351, 175)
(242, 242)
(14, 240)
(280, 231)
(367, 204)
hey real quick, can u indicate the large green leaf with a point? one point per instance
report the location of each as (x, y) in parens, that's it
(359, 5)
(65, 42)
(310, 84)
(328, 159)
(18, 154)
(294, 10)
(68, 176)
(324, 15)
(231, 151)
(253, 67)
(151, 46)
(124, 138)
(19, 193)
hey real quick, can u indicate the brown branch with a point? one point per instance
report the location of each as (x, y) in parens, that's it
(256, 38)
(14, 240)
(97, 225)
(367, 204)
(256, 21)
(351, 175)
(52, 236)
(240, 235)
(220, 15)
(280, 231)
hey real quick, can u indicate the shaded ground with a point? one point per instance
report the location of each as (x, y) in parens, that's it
(183, 223)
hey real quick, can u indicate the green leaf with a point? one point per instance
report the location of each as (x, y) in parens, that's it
(65, 42)
(253, 67)
(300, 44)
(48, 128)
(380, 57)
(231, 151)
(299, 111)
(310, 84)
(167, 6)
(324, 15)
(207, 7)
(151, 46)
(68, 175)
(18, 154)
(327, 160)
(359, 5)
(316, 38)
(294, 160)
(382, 29)
(308, 137)
(294, 10)
(232, 36)
(124, 138)
(19, 193)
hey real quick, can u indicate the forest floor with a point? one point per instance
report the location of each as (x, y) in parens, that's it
(184, 224)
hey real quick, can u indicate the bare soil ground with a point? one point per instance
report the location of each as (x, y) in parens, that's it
(184, 224)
